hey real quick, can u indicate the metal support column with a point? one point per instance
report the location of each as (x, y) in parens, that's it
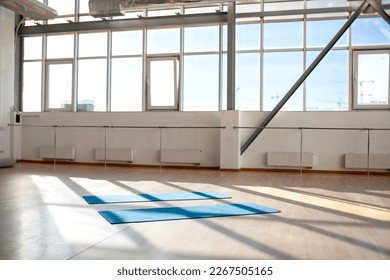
(231, 56)
(303, 77)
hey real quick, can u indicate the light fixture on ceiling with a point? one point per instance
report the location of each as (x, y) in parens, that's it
(30, 8)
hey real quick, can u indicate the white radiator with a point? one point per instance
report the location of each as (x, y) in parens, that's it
(114, 154)
(63, 153)
(181, 156)
(377, 161)
(290, 159)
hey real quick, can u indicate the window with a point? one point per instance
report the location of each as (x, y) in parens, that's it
(248, 81)
(201, 83)
(279, 35)
(320, 32)
(32, 74)
(32, 89)
(370, 31)
(127, 42)
(165, 40)
(59, 88)
(281, 71)
(60, 46)
(126, 84)
(163, 83)
(92, 85)
(201, 39)
(248, 37)
(93, 44)
(327, 85)
(371, 79)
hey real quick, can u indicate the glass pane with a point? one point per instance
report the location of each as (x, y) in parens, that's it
(83, 8)
(248, 8)
(32, 48)
(248, 37)
(60, 46)
(59, 85)
(126, 84)
(62, 7)
(281, 71)
(32, 89)
(283, 35)
(92, 81)
(201, 10)
(160, 13)
(201, 81)
(248, 81)
(201, 39)
(373, 79)
(93, 44)
(127, 42)
(370, 31)
(224, 82)
(280, 5)
(327, 85)
(163, 40)
(319, 33)
(162, 82)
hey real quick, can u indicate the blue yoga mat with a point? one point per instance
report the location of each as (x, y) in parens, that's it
(153, 197)
(181, 213)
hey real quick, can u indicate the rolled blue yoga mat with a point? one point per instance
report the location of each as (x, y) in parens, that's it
(182, 213)
(92, 199)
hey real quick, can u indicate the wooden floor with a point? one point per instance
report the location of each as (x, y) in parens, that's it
(43, 215)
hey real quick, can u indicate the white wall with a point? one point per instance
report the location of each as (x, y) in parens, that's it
(7, 22)
(328, 146)
(144, 142)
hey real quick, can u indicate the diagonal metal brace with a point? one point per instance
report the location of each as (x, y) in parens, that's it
(303, 77)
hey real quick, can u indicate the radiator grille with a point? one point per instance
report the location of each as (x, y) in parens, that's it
(64, 153)
(114, 154)
(290, 159)
(377, 161)
(181, 156)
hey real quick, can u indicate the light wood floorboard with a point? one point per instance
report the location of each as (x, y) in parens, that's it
(323, 216)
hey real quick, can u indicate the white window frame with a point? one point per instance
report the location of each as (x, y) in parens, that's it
(47, 80)
(355, 89)
(176, 60)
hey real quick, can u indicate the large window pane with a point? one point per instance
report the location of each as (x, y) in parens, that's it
(32, 48)
(319, 33)
(163, 40)
(373, 79)
(127, 42)
(283, 35)
(248, 81)
(92, 81)
(370, 31)
(62, 7)
(201, 39)
(201, 83)
(327, 85)
(93, 44)
(60, 46)
(32, 89)
(126, 84)
(59, 86)
(281, 71)
(248, 36)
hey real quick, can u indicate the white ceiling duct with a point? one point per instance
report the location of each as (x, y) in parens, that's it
(107, 8)
(30, 8)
